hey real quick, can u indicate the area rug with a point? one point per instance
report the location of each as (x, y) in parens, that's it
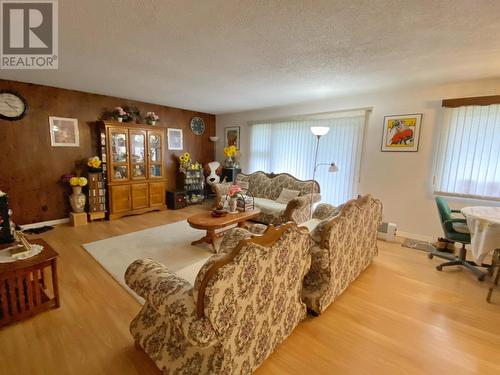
(167, 244)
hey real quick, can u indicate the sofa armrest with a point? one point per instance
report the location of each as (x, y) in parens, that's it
(172, 297)
(297, 209)
(323, 211)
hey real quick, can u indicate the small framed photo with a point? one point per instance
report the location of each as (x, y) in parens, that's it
(401, 133)
(174, 137)
(64, 132)
(232, 137)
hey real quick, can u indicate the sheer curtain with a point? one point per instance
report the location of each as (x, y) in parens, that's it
(468, 162)
(288, 146)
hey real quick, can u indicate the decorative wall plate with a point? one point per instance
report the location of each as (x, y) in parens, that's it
(197, 125)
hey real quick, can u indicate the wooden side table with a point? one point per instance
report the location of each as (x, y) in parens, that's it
(24, 288)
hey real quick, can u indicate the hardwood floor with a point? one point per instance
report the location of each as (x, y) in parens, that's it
(401, 316)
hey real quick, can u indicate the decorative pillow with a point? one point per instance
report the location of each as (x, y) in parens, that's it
(287, 195)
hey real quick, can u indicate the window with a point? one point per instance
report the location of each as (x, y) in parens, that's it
(468, 162)
(289, 146)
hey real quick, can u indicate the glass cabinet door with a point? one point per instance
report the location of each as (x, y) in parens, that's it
(155, 145)
(118, 154)
(138, 154)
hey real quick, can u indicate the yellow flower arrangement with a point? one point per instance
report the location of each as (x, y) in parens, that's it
(94, 162)
(230, 151)
(185, 158)
(78, 181)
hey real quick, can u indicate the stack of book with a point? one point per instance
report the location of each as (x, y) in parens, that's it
(245, 203)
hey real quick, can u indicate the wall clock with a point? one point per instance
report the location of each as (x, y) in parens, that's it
(12, 105)
(197, 125)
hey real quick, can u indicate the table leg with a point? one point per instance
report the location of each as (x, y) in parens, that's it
(209, 238)
(55, 282)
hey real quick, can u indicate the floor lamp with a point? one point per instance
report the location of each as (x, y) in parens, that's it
(319, 131)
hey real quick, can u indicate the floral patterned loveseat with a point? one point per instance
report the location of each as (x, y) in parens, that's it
(246, 300)
(345, 244)
(266, 188)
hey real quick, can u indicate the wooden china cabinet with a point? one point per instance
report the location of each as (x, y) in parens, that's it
(132, 156)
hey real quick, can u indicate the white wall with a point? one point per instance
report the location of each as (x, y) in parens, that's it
(403, 181)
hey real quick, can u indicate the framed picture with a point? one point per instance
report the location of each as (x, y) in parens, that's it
(64, 132)
(174, 137)
(232, 136)
(401, 133)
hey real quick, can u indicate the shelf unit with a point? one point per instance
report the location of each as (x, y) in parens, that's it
(194, 186)
(96, 195)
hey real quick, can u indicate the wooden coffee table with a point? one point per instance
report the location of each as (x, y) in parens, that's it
(206, 221)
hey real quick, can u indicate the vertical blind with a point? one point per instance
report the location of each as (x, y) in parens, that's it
(289, 146)
(468, 162)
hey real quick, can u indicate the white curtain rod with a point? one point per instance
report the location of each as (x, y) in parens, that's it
(317, 116)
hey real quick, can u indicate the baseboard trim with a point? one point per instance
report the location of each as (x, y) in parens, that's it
(45, 223)
(418, 237)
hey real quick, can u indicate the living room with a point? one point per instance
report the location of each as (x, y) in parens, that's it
(225, 188)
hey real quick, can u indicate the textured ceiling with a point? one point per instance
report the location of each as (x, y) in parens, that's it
(222, 56)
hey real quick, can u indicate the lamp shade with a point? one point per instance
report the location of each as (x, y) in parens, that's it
(333, 168)
(320, 130)
(214, 139)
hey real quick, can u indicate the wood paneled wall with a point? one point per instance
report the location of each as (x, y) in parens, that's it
(30, 169)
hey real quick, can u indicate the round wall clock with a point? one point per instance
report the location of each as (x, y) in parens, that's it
(12, 105)
(197, 125)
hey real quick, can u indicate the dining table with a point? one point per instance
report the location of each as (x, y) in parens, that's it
(484, 227)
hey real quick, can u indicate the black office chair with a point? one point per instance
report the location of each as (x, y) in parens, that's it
(454, 230)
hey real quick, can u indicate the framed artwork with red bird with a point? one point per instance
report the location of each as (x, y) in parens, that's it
(401, 133)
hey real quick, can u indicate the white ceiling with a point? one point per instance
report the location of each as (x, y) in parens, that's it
(223, 56)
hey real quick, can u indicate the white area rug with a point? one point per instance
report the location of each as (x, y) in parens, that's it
(167, 244)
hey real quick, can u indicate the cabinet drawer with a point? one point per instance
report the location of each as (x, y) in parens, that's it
(140, 196)
(156, 194)
(120, 198)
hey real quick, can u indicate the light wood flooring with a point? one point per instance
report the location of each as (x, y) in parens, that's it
(401, 316)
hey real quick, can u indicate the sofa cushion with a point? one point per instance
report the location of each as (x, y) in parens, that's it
(270, 207)
(287, 195)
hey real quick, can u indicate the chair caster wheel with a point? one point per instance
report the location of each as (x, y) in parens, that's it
(439, 268)
(481, 278)
(430, 255)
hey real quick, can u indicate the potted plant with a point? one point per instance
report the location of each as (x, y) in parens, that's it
(229, 151)
(119, 114)
(232, 194)
(94, 164)
(151, 118)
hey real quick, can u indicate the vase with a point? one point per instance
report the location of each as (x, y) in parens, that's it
(229, 163)
(232, 205)
(152, 122)
(77, 200)
(120, 119)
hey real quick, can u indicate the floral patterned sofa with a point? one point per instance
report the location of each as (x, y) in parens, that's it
(345, 244)
(245, 301)
(266, 188)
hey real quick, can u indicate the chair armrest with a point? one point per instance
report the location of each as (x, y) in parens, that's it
(172, 297)
(455, 220)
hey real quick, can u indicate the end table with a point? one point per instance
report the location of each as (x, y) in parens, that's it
(24, 286)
